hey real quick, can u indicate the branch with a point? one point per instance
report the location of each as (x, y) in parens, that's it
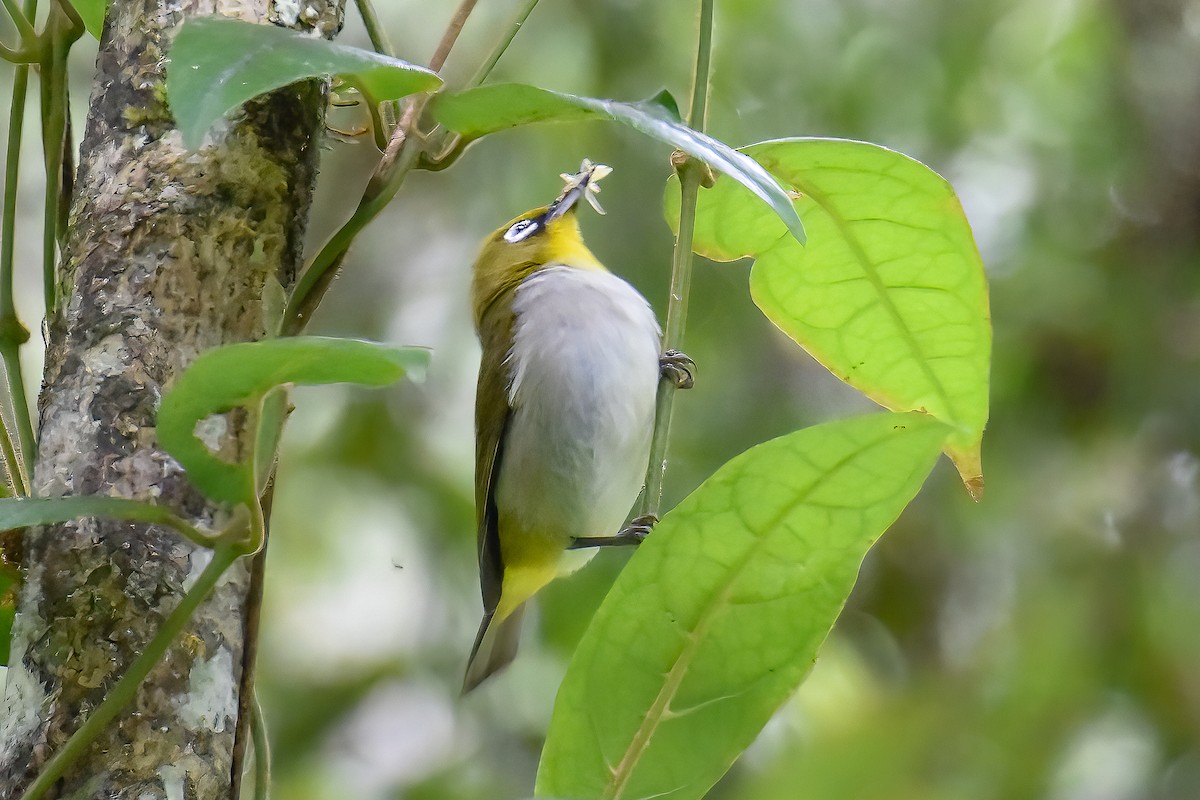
(451, 35)
(691, 176)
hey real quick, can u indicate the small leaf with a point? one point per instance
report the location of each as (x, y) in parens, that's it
(218, 63)
(720, 613)
(241, 374)
(22, 512)
(890, 292)
(92, 14)
(487, 109)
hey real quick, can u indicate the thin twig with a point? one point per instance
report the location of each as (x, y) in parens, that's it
(698, 113)
(451, 35)
(318, 277)
(506, 38)
(691, 174)
(12, 333)
(14, 483)
(381, 44)
(63, 31)
(375, 31)
(262, 750)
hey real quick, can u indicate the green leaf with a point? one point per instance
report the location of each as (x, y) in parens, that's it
(487, 109)
(241, 374)
(219, 63)
(92, 14)
(890, 292)
(22, 512)
(719, 614)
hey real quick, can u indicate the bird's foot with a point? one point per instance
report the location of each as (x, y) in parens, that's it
(631, 535)
(678, 368)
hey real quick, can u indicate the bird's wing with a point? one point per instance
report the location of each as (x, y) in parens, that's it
(492, 413)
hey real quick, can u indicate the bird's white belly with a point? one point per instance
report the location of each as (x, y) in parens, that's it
(584, 374)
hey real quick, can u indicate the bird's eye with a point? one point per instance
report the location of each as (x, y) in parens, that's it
(521, 230)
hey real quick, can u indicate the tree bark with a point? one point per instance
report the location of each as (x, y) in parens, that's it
(167, 254)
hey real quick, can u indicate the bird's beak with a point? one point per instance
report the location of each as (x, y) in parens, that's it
(567, 200)
(583, 184)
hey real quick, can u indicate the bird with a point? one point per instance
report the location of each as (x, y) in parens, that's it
(564, 410)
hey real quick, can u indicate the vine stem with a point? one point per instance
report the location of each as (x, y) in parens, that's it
(124, 691)
(63, 32)
(506, 38)
(403, 153)
(12, 333)
(262, 750)
(691, 175)
(316, 279)
(23, 20)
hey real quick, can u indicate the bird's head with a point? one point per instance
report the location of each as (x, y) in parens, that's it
(546, 236)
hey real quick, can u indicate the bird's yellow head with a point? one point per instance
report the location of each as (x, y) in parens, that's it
(537, 239)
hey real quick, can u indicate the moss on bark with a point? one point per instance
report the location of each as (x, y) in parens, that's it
(167, 255)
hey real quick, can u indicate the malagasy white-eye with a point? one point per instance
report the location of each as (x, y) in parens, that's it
(564, 410)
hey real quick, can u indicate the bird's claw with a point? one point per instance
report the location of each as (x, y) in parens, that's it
(631, 535)
(678, 368)
(639, 528)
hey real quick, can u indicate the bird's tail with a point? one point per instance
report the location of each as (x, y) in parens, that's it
(495, 647)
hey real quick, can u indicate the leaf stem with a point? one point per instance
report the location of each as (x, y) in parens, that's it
(319, 275)
(691, 175)
(12, 333)
(262, 749)
(375, 31)
(23, 19)
(62, 32)
(506, 38)
(382, 44)
(124, 691)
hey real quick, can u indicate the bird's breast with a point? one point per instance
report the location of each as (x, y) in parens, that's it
(583, 377)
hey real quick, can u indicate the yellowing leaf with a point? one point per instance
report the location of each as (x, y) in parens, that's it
(889, 293)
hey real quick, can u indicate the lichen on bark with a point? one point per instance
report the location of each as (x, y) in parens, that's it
(167, 254)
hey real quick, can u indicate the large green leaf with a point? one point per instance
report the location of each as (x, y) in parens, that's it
(890, 292)
(219, 63)
(487, 109)
(239, 375)
(719, 615)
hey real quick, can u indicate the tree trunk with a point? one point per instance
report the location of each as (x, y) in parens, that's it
(167, 254)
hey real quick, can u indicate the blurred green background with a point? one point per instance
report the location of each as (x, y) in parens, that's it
(1044, 643)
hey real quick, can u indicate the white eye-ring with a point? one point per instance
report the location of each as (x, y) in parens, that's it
(521, 230)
